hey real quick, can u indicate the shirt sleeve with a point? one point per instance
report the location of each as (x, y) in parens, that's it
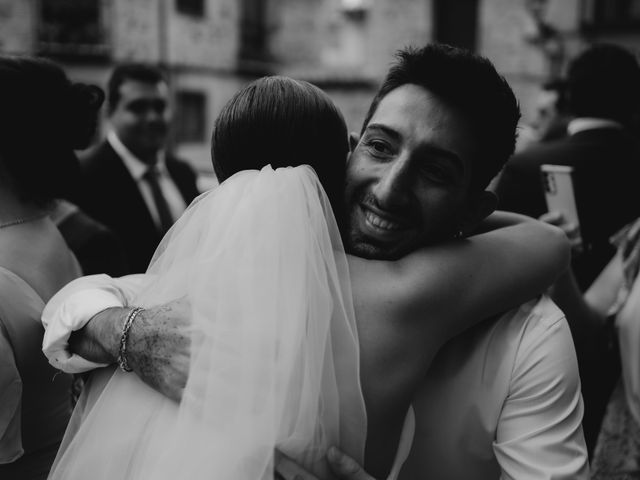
(539, 433)
(74, 305)
(10, 401)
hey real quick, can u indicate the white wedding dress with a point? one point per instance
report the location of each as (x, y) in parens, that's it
(274, 359)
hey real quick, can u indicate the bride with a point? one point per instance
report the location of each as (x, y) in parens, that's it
(275, 355)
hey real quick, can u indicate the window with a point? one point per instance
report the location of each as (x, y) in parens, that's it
(71, 28)
(611, 15)
(253, 30)
(456, 22)
(194, 8)
(190, 117)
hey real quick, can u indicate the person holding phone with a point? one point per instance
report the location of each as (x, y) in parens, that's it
(602, 93)
(606, 328)
(602, 96)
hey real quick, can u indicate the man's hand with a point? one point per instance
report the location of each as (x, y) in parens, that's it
(343, 466)
(159, 347)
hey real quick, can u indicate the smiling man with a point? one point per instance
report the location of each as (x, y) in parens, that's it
(408, 177)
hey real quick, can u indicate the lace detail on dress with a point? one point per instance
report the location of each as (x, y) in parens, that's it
(617, 454)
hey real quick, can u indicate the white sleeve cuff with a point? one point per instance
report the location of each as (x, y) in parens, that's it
(73, 314)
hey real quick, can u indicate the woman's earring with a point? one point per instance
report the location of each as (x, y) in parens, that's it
(458, 235)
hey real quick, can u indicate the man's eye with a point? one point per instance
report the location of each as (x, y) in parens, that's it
(136, 108)
(379, 147)
(436, 173)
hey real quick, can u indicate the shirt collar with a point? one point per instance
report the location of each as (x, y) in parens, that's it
(590, 123)
(137, 168)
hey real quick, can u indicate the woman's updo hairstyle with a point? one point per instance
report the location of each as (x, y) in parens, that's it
(44, 117)
(283, 122)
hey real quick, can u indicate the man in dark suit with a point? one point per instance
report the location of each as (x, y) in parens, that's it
(132, 184)
(603, 88)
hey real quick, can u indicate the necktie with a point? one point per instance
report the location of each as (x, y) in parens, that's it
(151, 176)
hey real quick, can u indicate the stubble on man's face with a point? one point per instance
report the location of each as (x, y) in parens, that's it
(408, 177)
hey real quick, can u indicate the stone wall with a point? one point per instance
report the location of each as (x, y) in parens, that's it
(17, 26)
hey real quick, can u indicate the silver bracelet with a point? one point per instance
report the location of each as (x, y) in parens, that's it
(122, 353)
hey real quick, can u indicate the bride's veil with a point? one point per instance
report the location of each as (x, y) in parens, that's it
(274, 355)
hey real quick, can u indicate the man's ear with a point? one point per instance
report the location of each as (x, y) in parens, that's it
(480, 207)
(354, 138)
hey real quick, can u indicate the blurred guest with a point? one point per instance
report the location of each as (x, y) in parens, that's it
(132, 183)
(607, 319)
(550, 118)
(603, 88)
(43, 118)
(95, 246)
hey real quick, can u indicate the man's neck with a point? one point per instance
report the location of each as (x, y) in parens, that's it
(581, 124)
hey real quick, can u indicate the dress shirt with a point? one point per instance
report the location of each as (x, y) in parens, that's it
(589, 123)
(137, 169)
(502, 401)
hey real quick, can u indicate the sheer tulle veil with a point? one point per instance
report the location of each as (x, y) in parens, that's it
(275, 351)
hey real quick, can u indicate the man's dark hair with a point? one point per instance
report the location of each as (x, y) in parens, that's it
(470, 84)
(283, 122)
(604, 82)
(130, 71)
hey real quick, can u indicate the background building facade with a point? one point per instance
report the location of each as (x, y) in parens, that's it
(209, 48)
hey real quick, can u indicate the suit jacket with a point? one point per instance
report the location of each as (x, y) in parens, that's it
(607, 168)
(112, 197)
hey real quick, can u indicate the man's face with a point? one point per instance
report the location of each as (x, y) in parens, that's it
(409, 175)
(546, 110)
(141, 117)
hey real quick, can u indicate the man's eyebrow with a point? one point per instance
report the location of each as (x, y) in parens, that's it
(384, 129)
(444, 153)
(430, 149)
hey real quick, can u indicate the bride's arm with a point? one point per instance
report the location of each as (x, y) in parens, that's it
(451, 286)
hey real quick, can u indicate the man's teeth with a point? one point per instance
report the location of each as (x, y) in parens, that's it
(381, 223)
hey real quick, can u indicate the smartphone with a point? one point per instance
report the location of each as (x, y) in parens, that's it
(557, 182)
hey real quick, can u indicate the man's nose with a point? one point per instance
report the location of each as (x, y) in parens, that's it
(154, 115)
(394, 186)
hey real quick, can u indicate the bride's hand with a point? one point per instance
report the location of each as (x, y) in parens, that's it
(343, 466)
(159, 346)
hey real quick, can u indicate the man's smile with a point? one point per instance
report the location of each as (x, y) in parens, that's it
(381, 225)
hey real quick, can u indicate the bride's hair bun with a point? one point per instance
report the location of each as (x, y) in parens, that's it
(43, 118)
